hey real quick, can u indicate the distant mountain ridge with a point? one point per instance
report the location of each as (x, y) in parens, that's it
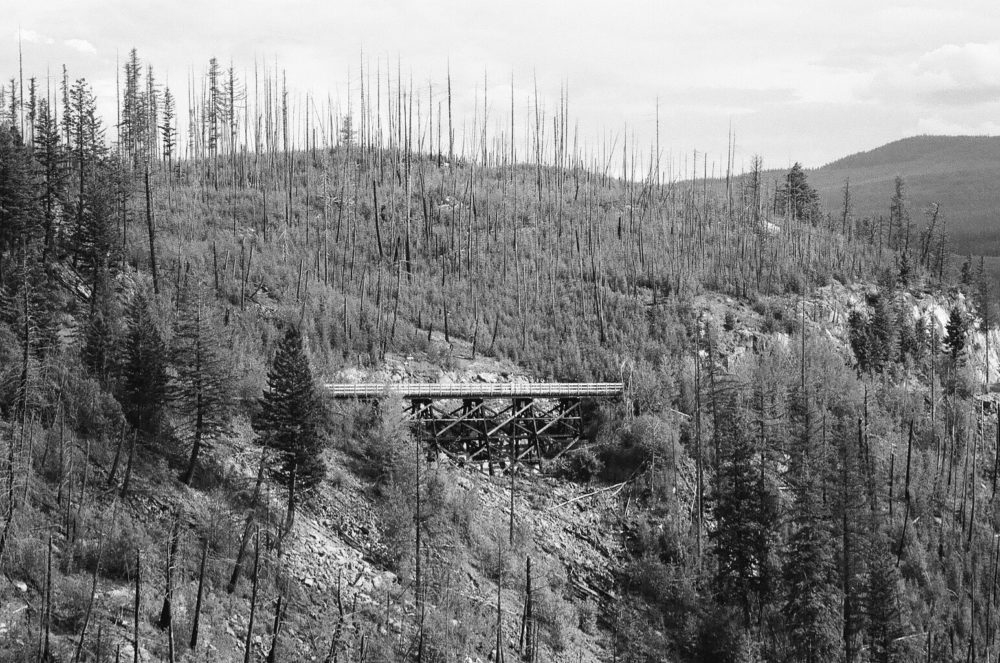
(960, 173)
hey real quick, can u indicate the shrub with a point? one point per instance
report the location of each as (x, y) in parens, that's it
(633, 445)
(71, 596)
(650, 387)
(396, 516)
(117, 558)
(579, 465)
(383, 448)
(213, 521)
(25, 555)
(586, 617)
(794, 283)
(555, 615)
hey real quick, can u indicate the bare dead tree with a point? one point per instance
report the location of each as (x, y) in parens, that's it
(193, 644)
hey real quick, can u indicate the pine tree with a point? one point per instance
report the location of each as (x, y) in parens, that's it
(202, 390)
(97, 249)
(94, 237)
(26, 304)
(852, 518)
(857, 333)
(811, 609)
(905, 269)
(908, 341)
(132, 128)
(872, 337)
(51, 156)
(881, 332)
(796, 197)
(965, 277)
(145, 372)
(214, 108)
(956, 329)
(101, 335)
(289, 420)
(19, 219)
(151, 112)
(25, 290)
(745, 510)
(168, 130)
(882, 603)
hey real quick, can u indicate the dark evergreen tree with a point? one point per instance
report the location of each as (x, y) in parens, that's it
(19, 219)
(101, 334)
(745, 511)
(882, 605)
(966, 275)
(51, 157)
(812, 607)
(881, 332)
(905, 269)
(290, 419)
(796, 197)
(94, 205)
(857, 333)
(144, 380)
(956, 329)
(851, 518)
(133, 127)
(214, 107)
(151, 113)
(95, 250)
(26, 297)
(920, 336)
(872, 336)
(907, 340)
(168, 130)
(203, 387)
(27, 305)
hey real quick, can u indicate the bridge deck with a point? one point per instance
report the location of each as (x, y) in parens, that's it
(478, 390)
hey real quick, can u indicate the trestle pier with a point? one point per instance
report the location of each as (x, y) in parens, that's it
(493, 424)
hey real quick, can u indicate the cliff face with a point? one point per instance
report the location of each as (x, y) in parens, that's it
(827, 310)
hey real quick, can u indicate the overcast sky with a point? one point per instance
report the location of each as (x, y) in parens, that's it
(806, 80)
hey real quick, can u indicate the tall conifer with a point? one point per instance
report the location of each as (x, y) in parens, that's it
(202, 389)
(289, 420)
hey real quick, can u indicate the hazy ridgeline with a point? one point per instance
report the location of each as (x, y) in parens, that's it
(808, 501)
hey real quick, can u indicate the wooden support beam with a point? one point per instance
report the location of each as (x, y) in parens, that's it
(535, 430)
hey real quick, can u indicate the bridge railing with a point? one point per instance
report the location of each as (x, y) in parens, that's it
(477, 390)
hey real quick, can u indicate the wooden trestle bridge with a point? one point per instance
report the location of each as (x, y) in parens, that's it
(492, 424)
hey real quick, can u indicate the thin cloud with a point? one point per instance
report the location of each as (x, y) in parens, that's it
(940, 126)
(950, 75)
(32, 37)
(81, 45)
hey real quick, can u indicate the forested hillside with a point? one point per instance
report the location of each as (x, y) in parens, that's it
(781, 483)
(956, 174)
